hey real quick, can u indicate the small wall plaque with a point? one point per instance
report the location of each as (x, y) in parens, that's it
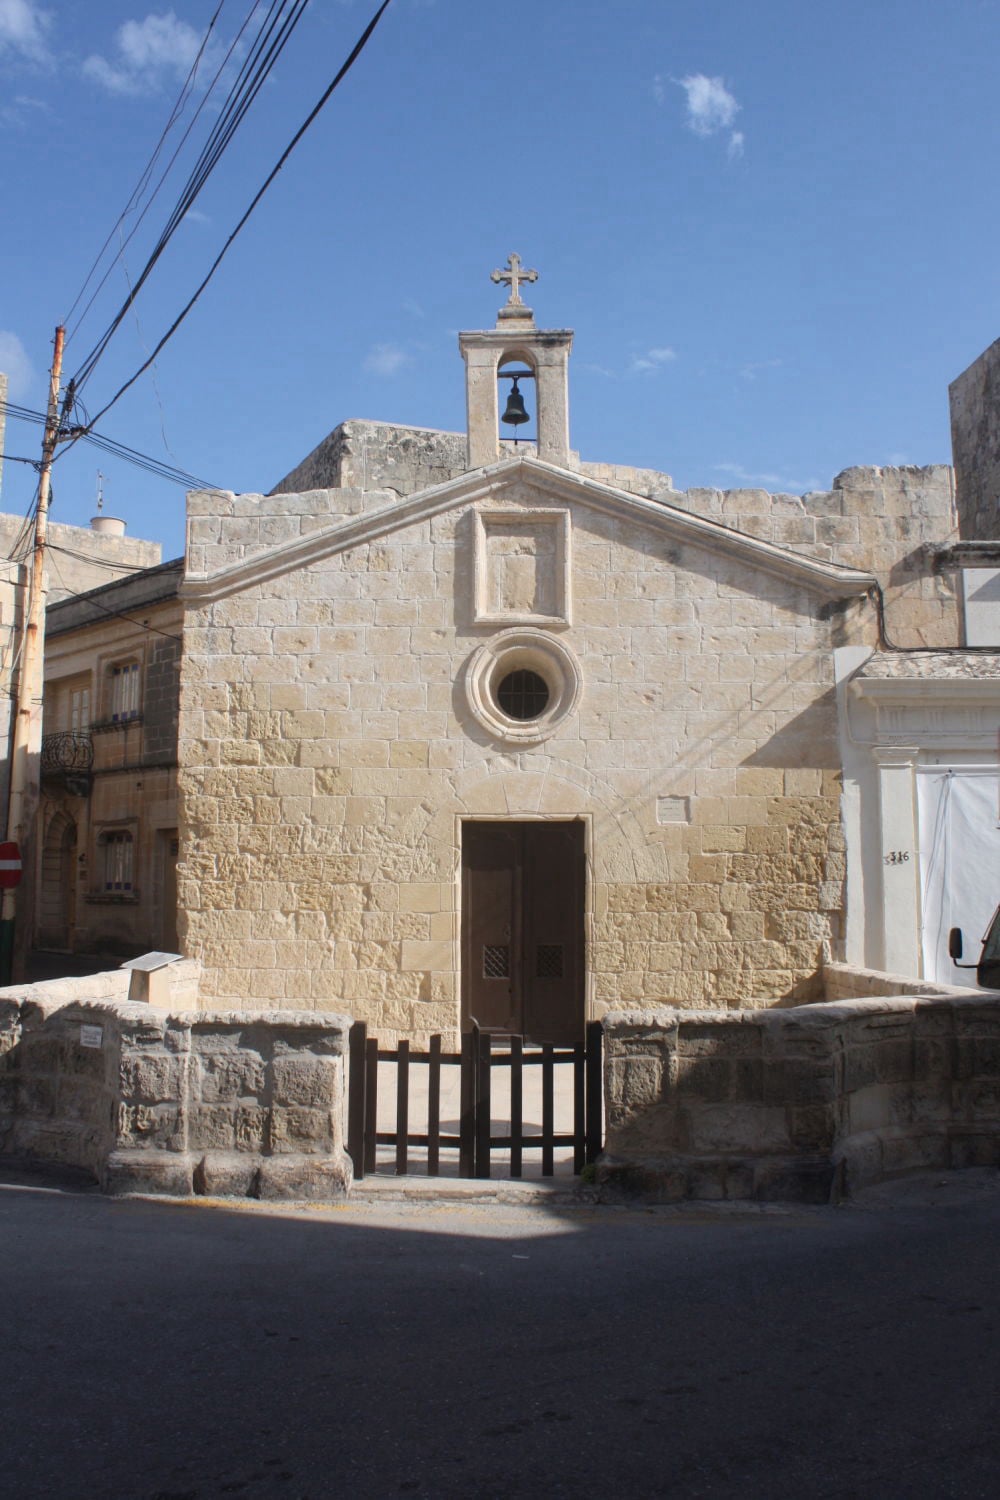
(673, 809)
(91, 1036)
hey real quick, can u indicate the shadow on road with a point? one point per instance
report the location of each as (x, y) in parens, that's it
(177, 1351)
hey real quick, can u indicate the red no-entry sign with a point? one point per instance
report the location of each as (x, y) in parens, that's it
(10, 866)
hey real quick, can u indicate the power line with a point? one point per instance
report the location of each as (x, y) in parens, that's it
(344, 70)
(98, 562)
(142, 460)
(25, 413)
(164, 175)
(14, 555)
(267, 47)
(117, 450)
(137, 191)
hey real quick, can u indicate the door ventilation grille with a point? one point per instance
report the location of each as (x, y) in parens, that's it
(549, 961)
(496, 961)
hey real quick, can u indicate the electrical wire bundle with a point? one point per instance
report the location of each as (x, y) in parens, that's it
(278, 23)
(275, 25)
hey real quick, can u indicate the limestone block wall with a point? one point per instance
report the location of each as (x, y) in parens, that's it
(378, 455)
(329, 755)
(881, 519)
(975, 441)
(153, 1101)
(809, 1103)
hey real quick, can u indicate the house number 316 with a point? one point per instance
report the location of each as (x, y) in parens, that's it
(896, 857)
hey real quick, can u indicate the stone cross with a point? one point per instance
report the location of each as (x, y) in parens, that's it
(515, 276)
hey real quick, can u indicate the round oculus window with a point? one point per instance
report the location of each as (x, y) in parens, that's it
(522, 685)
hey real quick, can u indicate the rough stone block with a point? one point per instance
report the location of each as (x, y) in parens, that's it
(318, 1179)
(226, 1175)
(159, 1172)
(309, 1081)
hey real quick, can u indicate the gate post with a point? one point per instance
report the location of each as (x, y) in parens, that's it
(467, 1119)
(371, 1103)
(595, 1090)
(484, 1122)
(357, 1038)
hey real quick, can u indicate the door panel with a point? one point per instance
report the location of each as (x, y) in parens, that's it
(490, 890)
(553, 916)
(522, 928)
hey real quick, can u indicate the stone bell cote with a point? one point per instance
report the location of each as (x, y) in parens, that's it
(515, 343)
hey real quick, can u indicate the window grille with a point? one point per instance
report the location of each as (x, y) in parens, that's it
(523, 694)
(549, 961)
(496, 961)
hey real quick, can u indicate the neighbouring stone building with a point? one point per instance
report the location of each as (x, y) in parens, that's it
(79, 559)
(106, 879)
(471, 729)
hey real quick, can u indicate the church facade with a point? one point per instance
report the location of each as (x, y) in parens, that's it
(475, 730)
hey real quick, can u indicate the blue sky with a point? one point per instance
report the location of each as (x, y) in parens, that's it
(772, 224)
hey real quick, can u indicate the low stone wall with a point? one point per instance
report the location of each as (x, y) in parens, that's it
(153, 1101)
(806, 1104)
(849, 982)
(182, 979)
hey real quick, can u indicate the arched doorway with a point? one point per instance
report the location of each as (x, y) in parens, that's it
(57, 904)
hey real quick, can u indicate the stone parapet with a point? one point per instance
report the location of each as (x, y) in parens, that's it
(807, 1104)
(154, 1101)
(851, 982)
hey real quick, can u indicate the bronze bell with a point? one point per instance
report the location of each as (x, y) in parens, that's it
(514, 412)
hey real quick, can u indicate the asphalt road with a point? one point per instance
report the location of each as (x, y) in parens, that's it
(175, 1352)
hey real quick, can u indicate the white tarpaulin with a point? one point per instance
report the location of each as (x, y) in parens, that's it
(959, 864)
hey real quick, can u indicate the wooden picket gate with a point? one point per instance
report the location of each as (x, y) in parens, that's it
(482, 1051)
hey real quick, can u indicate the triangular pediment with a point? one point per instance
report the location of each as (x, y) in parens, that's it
(549, 480)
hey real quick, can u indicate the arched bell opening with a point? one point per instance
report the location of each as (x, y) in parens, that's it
(517, 402)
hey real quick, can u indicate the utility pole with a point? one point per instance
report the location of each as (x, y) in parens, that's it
(26, 741)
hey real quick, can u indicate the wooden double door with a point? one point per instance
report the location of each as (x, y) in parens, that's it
(523, 929)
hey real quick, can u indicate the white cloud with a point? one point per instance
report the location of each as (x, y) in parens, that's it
(653, 359)
(24, 28)
(149, 52)
(779, 482)
(386, 359)
(22, 110)
(197, 217)
(710, 105)
(711, 108)
(15, 364)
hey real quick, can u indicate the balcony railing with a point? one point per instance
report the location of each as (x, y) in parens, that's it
(68, 757)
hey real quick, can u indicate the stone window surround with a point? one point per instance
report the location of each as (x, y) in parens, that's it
(559, 519)
(517, 649)
(103, 701)
(107, 836)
